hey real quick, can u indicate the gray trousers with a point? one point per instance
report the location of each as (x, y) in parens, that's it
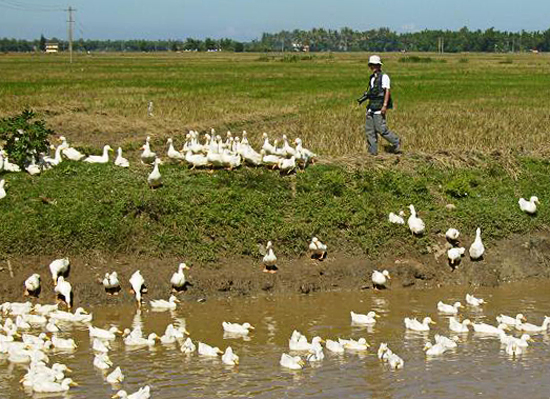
(375, 125)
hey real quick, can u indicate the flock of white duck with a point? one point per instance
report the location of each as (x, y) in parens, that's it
(213, 152)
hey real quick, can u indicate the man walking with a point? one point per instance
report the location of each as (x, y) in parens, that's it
(380, 101)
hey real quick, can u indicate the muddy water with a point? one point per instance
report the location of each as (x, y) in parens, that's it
(478, 367)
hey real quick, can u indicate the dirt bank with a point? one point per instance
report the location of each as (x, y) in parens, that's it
(510, 260)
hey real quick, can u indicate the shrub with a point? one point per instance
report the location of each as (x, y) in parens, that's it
(25, 137)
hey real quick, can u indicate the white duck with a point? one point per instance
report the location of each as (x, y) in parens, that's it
(66, 344)
(69, 152)
(317, 248)
(59, 267)
(79, 316)
(443, 340)
(511, 321)
(101, 333)
(115, 377)
(532, 328)
(236, 328)
(477, 249)
(45, 309)
(104, 158)
(434, 350)
(530, 206)
(270, 260)
(2, 189)
(207, 350)
(395, 361)
(142, 393)
(396, 219)
(188, 347)
(448, 309)
(458, 327)
(64, 289)
(291, 362)
(359, 345)
(513, 349)
(287, 165)
(110, 282)
(304, 151)
(98, 345)
(252, 157)
(102, 361)
(416, 225)
(32, 284)
(488, 329)
(229, 160)
(380, 279)
(178, 278)
(137, 282)
(315, 353)
(56, 160)
(415, 325)
(161, 305)
(147, 156)
(155, 179)
(452, 234)
(120, 160)
(270, 160)
(455, 255)
(197, 160)
(267, 148)
(172, 152)
(473, 301)
(45, 386)
(136, 341)
(365, 319)
(288, 151)
(230, 358)
(334, 346)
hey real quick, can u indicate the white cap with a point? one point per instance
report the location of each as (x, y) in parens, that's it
(375, 59)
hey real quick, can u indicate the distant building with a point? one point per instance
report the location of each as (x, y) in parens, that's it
(52, 48)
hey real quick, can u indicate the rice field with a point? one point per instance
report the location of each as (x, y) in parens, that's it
(453, 104)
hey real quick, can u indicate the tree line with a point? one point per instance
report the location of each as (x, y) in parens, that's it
(318, 39)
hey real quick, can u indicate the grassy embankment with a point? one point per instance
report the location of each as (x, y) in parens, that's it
(469, 109)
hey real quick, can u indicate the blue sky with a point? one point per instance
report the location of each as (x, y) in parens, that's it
(247, 19)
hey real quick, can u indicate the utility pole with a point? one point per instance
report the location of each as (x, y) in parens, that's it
(70, 23)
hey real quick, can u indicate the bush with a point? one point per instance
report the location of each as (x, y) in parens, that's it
(25, 137)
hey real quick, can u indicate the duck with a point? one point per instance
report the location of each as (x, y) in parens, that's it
(59, 267)
(207, 350)
(529, 207)
(252, 157)
(383, 351)
(317, 248)
(397, 219)
(102, 361)
(79, 316)
(359, 345)
(513, 349)
(161, 305)
(447, 342)
(64, 289)
(35, 319)
(455, 255)
(380, 279)
(33, 169)
(115, 377)
(7, 165)
(288, 151)
(416, 225)
(155, 179)
(45, 386)
(2, 189)
(60, 343)
(511, 321)
(522, 341)
(267, 148)
(308, 154)
(434, 349)
(111, 283)
(532, 328)
(147, 156)
(270, 160)
(109, 335)
(104, 158)
(137, 282)
(32, 284)
(197, 160)
(448, 309)
(287, 165)
(120, 160)
(142, 393)
(452, 235)
(178, 278)
(236, 328)
(459, 327)
(477, 249)
(99, 345)
(70, 153)
(45, 310)
(229, 160)
(415, 325)
(291, 362)
(229, 358)
(485, 328)
(172, 153)
(315, 353)
(334, 346)
(269, 259)
(188, 347)
(473, 301)
(56, 160)
(365, 319)
(136, 341)
(395, 361)
(173, 334)
(51, 326)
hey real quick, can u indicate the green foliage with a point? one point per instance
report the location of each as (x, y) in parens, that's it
(25, 137)
(461, 186)
(415, 59)
(463, 60)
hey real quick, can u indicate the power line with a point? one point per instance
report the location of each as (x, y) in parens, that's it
(33, 7)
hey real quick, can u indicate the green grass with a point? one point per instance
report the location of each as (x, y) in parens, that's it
(202, 216)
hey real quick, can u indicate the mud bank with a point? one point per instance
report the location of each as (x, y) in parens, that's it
(518, 258)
